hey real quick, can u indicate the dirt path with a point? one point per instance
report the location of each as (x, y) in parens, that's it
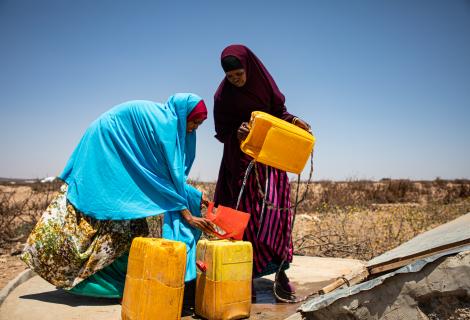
(10, 267)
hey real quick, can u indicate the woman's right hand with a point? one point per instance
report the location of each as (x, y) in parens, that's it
(243, 131)
(302, 124)
(200, 223)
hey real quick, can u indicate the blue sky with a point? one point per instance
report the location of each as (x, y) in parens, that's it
(385, 85)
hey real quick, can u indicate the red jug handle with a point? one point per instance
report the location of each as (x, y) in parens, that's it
(209, 214)
(201, 266)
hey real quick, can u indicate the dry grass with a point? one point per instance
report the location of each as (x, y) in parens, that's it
(365, 232)
(357, 219)
(362, 219)
(21, 205)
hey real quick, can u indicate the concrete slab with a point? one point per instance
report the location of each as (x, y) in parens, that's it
(36, 299)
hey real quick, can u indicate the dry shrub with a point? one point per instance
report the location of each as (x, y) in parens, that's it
(366, 193)
(358, 219)
(207, 187)
(365, 232)
(362, 219)
(21, 205)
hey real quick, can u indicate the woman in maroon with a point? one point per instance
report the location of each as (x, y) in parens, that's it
(249, 87)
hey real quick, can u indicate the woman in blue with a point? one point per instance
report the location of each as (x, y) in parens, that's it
(132, 163)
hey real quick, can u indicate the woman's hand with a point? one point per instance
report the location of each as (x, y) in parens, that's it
(243, 131)
(196, 222)
(301, 124)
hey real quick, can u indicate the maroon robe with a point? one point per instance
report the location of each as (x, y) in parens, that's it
(232, 106)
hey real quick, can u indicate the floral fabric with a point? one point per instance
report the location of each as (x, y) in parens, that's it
(66, 246)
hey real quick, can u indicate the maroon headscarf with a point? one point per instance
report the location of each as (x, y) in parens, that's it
(199, 112)
(232, 106)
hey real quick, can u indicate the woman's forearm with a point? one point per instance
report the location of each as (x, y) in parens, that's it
(186, 214)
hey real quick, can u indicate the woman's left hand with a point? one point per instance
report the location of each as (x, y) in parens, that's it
(302, 124)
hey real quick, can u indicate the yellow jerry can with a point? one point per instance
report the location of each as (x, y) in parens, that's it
(277, 143)
(155, 280)
(223, 284)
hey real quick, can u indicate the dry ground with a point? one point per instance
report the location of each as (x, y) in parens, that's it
(10, 267)
(352, 219)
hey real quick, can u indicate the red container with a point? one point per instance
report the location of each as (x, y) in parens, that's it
(231, 221)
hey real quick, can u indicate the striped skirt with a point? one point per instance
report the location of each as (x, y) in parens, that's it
(269, 228)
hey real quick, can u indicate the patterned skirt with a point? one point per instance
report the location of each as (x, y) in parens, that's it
(66, 247)
(269, 228)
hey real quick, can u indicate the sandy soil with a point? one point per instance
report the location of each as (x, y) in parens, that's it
(10, 267)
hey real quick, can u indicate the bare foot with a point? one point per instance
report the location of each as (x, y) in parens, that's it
(285, 283)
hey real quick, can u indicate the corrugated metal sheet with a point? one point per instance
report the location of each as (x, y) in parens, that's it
(452, 234)
(320, 302)
(455, 231)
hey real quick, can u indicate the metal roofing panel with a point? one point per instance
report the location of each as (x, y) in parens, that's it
(322, 301)
(453, 232)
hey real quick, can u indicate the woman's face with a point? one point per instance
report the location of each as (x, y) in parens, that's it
(192, 125)
(236, 77)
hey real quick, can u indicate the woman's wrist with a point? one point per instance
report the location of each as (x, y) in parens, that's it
(301, 124)
(186, 214)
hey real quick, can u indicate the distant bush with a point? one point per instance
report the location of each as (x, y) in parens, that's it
(356, 218)
(365, 193)
(365, 232)
(21, 205)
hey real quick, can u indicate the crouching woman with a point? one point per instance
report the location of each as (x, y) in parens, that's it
(132, 163)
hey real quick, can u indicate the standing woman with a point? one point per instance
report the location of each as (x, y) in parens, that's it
(131, 163)
(249, 87)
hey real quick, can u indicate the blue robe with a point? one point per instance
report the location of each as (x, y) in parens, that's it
(133, 162)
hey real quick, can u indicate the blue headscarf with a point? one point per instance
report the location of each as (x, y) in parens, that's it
(133, 161)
